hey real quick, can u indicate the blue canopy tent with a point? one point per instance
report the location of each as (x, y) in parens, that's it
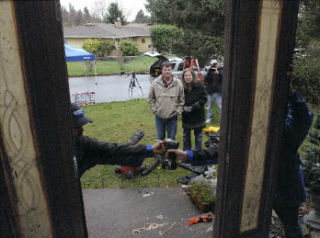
(74, 54)
(77, 54)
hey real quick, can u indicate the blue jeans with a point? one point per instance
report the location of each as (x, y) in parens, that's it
(289, 219)
(170, 124)
(187, 138)
(218, 99)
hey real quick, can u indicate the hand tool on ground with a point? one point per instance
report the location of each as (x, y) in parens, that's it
(204, 218)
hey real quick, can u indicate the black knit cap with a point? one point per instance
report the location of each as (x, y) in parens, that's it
(78, 118)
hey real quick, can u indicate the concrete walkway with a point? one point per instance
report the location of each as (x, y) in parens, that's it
(116, 213)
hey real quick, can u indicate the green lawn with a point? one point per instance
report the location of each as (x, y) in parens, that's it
(117, 122)
(139, 64)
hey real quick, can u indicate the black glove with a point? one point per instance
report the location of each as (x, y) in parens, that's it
(187, 109)
(195, 106)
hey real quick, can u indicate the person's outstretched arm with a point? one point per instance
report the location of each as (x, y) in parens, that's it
(93, 152)
(206, 156)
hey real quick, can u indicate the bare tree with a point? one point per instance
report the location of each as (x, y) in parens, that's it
(75, 18)
(99, 9)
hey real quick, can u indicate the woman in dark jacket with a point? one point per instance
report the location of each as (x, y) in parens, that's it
(193, 116)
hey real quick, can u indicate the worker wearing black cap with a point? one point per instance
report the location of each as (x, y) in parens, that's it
(90, 152)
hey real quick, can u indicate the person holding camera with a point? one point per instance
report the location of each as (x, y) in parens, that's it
(89, 152)
(213, 82)
(290, 187)
(166, 99)
(193, 116)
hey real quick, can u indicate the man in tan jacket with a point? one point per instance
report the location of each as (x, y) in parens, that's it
(166, 100)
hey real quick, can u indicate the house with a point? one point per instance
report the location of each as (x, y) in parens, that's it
(138, 33)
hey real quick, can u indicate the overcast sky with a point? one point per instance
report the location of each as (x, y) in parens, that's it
(130, 7)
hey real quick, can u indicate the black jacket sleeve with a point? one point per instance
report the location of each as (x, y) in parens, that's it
(209, 155)
(202, 98)
(298, 121)
(91, 152)
(204, 157)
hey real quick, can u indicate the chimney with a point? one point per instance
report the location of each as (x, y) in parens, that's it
(117, 23)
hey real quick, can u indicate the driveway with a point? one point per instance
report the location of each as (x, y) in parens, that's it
(108, 88)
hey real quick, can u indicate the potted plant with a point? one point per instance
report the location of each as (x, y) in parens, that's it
(206, 199)
(202, 190)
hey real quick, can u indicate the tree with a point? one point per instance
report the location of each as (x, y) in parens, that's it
(141, 18)
(75, 18)
(65, 17)
(78, 19)
(86, 15)
(72, 14)
(160, 13)
(307, 57)
(114, 13)
(166, 37)
(308, 23)
(202, 21)
(99, 9)
(310, 13)
(128, 48)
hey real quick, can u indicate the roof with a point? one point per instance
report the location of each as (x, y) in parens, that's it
(104, 30)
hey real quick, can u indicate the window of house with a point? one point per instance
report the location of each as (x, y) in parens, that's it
(143, 41)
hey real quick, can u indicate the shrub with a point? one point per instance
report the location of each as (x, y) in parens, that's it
(307, 75)
(311, 158)
(99, 47)
(128, 48)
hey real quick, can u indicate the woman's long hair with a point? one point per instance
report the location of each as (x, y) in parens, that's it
(194, 79)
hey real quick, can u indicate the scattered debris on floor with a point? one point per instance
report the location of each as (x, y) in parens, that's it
(152, 226)
(160, 217)
(147, 194)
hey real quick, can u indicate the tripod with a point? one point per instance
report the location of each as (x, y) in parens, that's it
(132, 84)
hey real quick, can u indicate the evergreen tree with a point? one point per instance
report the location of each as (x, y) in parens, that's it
(79, 18)
(141, 18)
(86, 15)
(202, 21)
(72, 15)
(114, 13)
(308, 23)
(166, 37)
(65, 17)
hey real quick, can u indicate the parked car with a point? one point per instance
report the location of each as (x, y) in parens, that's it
(151, 53)
(177, 66)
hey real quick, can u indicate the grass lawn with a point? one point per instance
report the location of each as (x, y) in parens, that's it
(117, 122)
(139, 64)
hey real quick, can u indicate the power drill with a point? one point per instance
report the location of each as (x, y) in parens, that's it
(170, 162)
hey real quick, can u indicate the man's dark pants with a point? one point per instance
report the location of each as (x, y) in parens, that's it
(288, 215)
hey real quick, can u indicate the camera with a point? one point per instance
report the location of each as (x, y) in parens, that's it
(171, 144)
(170, 162)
